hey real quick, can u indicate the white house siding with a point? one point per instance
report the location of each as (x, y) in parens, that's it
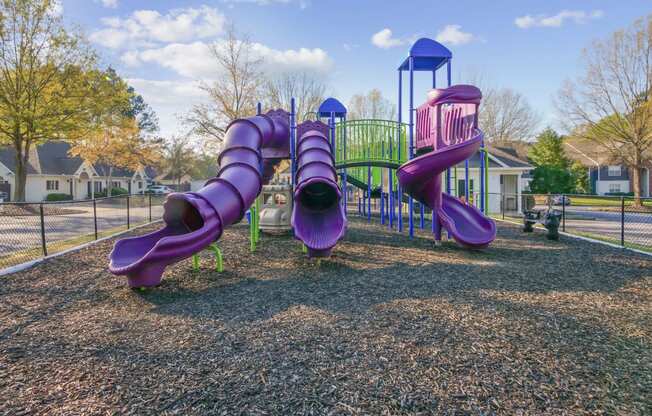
(494, 188)
(603, 186)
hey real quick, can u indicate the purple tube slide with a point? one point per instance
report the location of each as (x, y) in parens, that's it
(318, 216)
(421, 178)
(194, 220)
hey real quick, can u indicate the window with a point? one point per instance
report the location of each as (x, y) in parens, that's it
(140, 185)
(52, 185)
(115, 184)
(614, 170)
(98, 186)
(614, 188)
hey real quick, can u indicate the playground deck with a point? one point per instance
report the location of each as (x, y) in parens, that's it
(387, 326)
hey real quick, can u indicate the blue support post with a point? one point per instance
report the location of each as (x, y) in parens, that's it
(399, 199)
(344, 174)
(422, 221)
(411, 152)
(259, 109)
(466, 180)
(369, 193)
(390, 201)
(482, 184)
(293, 132)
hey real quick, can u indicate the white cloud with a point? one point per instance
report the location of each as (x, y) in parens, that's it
(541, 20)
(109, 4)
(453, 34)
(302, 3)
(384, 40)
(147, 27)
(169, 99)
(350, 46)
(194, 60)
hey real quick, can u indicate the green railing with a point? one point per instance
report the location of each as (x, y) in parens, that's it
(371, 142)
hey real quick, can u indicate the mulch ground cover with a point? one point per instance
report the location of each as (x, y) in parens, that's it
(388, 326)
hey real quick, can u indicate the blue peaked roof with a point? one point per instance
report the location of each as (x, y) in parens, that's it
(428, 55)
(331, 105)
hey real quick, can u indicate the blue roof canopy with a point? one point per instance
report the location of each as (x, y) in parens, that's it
(331, 105)
(428, 56)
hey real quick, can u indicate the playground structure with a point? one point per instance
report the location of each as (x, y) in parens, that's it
(392, 161)
(276, 210)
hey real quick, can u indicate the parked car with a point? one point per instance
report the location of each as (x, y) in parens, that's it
(4, 197)
(561, 200)
(158, 190)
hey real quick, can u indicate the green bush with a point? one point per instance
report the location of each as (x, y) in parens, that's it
(619, 194)
(114, 192)
(58, 197)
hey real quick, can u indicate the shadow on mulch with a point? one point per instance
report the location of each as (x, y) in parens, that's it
(388, 325)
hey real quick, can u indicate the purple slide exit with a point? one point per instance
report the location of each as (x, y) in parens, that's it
(318, 216)
(455, 141)
(193, 220)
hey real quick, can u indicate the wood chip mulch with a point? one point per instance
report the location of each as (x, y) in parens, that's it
(388, 326)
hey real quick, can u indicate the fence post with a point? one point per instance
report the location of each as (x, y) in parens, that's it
(502, 206)
(43, 245)
(150, 207)
(95, 217)
(128, 222)
(622, 221)
(563, 212)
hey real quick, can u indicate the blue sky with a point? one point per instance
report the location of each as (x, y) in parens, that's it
(530, 46)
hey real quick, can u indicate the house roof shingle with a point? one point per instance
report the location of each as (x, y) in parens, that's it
(52, 158)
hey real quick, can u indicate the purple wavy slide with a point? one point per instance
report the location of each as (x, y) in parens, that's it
(318, 216)
(422, 177)
(194, 220)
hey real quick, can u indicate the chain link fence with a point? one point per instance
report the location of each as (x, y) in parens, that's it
(29, 231)
(620, 220)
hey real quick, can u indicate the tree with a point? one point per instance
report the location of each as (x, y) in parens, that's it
(610, 104)
(550, 179)
(307, 89)
(549, 150)
(506, 115)
(113, 138)
(44, 80)
(555, 172)
(371, 106)
(179, 159)
(233, 94)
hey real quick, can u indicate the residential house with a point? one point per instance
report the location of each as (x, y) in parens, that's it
(607, 176)
(52, 170)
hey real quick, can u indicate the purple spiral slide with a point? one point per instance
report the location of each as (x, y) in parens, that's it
(318, 216)
(194, 220)
(455, 141)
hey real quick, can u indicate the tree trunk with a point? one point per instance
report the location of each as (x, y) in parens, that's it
(108, 182)
(636, 183)
(21, 179)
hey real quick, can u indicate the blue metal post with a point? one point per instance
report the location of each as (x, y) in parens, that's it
(369, 193)
(466, 180)
(293, 132)
(482, 185)
(344, 175)
(259, 109)
(399, 199)
(411, 153)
